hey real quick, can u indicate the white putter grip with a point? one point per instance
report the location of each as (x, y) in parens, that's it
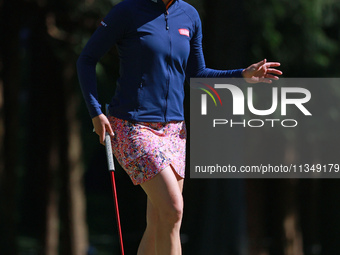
(108, 147)
(109, 155)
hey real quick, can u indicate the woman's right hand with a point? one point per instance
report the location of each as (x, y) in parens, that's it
(101, 125)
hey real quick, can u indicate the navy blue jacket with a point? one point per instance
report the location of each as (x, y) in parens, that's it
(158, 49)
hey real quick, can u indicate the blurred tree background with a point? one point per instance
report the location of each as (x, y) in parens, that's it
(55, 194)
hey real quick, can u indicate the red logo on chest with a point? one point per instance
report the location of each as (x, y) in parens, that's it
(184, 31)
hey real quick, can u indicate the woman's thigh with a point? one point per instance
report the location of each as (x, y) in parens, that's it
(164, 192)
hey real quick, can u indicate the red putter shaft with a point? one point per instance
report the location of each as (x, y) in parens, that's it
(117, 212)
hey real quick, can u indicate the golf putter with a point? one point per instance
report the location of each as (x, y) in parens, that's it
(111, 168)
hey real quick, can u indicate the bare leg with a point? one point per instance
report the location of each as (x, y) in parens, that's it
(148, 242)
(164, 214)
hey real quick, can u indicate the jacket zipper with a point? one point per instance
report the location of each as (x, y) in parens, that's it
(168, 65)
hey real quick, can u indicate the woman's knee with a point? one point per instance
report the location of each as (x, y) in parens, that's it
(173, 213)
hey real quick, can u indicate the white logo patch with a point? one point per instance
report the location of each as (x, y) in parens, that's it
(184, 31)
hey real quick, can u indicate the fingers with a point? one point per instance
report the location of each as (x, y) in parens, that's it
(100, 131)
(106, 129)
(271, 72)
(273, 77)
(274, 71)
(273, 64)
(101, 134)
(266, 80)
(267, 66)
(260, 64)
(102, 125)
(109, 130)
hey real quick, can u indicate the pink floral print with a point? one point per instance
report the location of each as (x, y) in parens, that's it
(144, 149)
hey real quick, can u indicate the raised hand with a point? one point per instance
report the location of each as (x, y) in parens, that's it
(262, 72)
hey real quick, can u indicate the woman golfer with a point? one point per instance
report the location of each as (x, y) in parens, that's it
(160, 45)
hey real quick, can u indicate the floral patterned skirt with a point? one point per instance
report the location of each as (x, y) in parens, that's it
(144, 149)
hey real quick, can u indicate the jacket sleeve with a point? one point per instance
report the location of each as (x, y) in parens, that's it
(196, 64)
(107, 34)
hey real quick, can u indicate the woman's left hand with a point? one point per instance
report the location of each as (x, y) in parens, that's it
(262, 72)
